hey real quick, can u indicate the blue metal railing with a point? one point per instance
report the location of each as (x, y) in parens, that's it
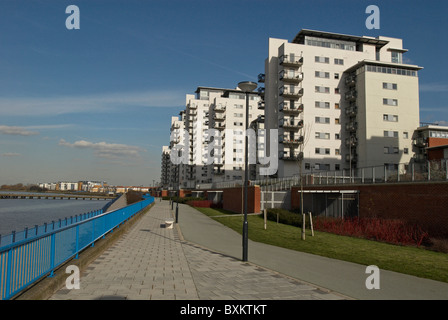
(24, 262)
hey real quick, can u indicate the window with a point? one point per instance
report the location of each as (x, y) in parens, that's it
(337, 167)
(238, 115)
(322, 120)
(322, 166)
(322, 150)
(390, 86)
(322, 89)
(336, 76)
(237, 123)
(339, 61)
(390, 117)
(405, 135)
(396, 57)
(337, 136)
(322, 135)
(336, 106)
(321, 74)
(238, 106)
(321, 104)
(399, 71)
(336, 90)
(336, 121)
(406, 151)
(307, 166)
(391, 134)
(390, 102)
(391, 150)
(337, 152)
(322, 59)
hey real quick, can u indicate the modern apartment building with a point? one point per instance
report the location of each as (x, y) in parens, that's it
(165, 176)
(210, 136)
(340, 101)
(431, 143)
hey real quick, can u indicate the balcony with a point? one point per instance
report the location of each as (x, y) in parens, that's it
(420, 158)
(291, 156)
(287, 141)
(286, 93)
(287, 109)
(420, 142)
(192, 106)
(261, 105)
(351, 142)
(220, 126)
(290, 125)
(219, 118)
(217, 170)
(261, 91)
(352, 126)
(261, 77)
(291, 61)
(351, 111)
(286, 77)
(351, 95)
(219, 108)
(353, 157)
(350, 81)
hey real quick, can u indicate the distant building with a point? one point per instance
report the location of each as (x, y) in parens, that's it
(67, 186)
(431, 143)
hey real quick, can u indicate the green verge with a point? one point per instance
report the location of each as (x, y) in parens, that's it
(409, 260)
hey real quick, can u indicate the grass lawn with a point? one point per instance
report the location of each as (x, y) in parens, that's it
(410, 260)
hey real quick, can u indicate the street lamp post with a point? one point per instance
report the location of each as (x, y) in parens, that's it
(246, 87)
(178, 192)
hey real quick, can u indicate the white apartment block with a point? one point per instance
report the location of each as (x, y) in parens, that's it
(165, 177)
(214, 135)
(340, 101)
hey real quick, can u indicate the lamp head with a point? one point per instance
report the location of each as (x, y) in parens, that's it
(247, 86)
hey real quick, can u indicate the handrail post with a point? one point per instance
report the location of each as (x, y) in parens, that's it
(93, 233)
(8, 273)
(52, 254)
(77, 242)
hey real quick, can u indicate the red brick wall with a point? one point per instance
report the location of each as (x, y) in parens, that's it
(435, 142)
(435, 154)
(422, 203)
(232, 199)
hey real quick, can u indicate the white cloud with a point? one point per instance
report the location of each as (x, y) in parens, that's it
(90, 103)
(106, 150)
(17, 131)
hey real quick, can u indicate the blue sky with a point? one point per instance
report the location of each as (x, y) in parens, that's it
(96, 103)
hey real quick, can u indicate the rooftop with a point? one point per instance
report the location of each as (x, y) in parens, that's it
(300, 37)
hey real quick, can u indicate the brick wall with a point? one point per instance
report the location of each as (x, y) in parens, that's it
(233, 199)
(422, 203)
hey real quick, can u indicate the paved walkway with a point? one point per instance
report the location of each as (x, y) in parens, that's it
(152, 262)
(199, 259)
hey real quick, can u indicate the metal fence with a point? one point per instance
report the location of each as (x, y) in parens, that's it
(391, 173)
(28, 259)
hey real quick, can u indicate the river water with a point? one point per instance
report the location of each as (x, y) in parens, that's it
(17, 214)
